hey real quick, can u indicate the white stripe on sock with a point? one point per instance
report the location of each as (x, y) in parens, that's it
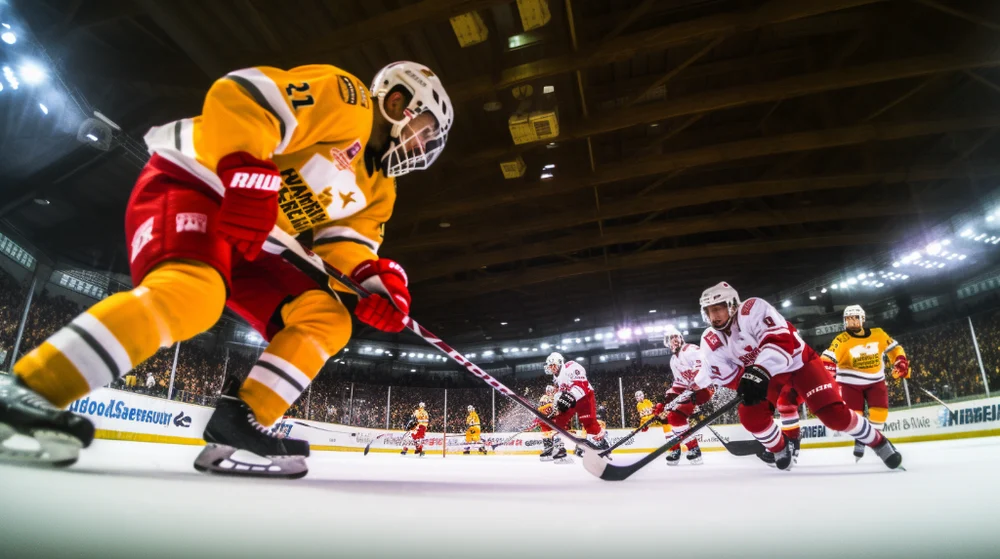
(108, 341)
(83, 357)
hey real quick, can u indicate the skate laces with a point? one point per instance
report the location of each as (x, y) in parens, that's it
(263, 430)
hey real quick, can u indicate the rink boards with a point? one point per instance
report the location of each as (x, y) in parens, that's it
(135, 417)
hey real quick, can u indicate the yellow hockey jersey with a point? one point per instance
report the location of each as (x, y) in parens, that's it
(859, 357)
(422, 418)
(314, 123)
(472, 420)
(645, 409)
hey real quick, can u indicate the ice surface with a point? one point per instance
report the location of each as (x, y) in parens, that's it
(128, 499)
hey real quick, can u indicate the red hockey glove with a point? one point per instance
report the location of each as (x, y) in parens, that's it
(250, 205)
(901, 368)
(644, 429)
(387, 307)
(830, 367)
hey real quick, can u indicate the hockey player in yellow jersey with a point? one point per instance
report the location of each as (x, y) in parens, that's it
(473, 431)
(645, 409)
(312, 150)
(856, 358)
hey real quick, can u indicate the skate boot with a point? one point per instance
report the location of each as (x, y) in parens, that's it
(419, 452)
(796, 445)
(767, 457)
(239, 445)
(888, 453)
(560, 456)
(547, 450)
(465, 452)
(404, 452)
(482, 450)
(578, 451)
(694, 455)
(785, 458)
(58, 435)
(859, 451)
(674, 456)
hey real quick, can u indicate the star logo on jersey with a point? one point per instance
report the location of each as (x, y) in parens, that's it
(346, 198)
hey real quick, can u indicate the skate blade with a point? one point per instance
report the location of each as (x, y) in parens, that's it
(566, 460)
(38, 447)
(696, 462)
(674, 463)
(226, 460)
(545, 459)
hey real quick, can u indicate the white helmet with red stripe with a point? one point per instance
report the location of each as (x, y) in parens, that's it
(721, 292)
(639, 396)
(854, 311)
(413, 148)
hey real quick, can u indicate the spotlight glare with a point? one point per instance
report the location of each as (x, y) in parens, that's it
(32, 73)
(8, 37)
(45, 110)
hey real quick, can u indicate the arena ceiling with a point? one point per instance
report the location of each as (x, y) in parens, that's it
(763, 142)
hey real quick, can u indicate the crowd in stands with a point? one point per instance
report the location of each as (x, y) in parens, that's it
(942, 356)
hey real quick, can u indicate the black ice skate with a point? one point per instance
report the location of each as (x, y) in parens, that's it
(547, 450)
(859, 451)
(889, 455)
(578, 451)
(239, 445)
(403, 453)
(465, 452)
(674, 457)
(24, 414)
(694, 455)
(561, 457)
(767, 457)
(785, 458)
(482, 450)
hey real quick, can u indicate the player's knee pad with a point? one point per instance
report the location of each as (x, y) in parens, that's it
(878, 416)
(320, 317)
(836, 416)
(188, 296)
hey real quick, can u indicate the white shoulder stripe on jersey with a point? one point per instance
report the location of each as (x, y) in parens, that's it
(337, 233)
(266, 94)
(175, 143)
(892, 346)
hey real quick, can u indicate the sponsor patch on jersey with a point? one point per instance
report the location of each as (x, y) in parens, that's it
(347, 90)
(713, 341)
(344, 158)
(141, 238)
(745, 311)
(363, 94)
(190, 222)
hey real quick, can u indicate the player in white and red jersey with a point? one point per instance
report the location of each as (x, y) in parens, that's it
(685, 364)
(752, 340)
(574, 396)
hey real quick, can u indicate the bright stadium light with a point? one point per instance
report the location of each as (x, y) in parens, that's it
(546, 346)
(45, 110)
(32, 73)
(8, 37)
(625, 333)
(786, 303)
(598, 336)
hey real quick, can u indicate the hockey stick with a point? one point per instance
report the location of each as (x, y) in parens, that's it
(301, 424)
(607, 471)
(284, 245)
(929, 393)
(673, 405)
(628, 437)
(494, 446)
(369, 445)
(740, 448)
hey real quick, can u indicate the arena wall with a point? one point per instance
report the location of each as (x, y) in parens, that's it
(119, 415)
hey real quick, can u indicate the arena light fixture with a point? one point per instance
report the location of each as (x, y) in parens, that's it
(852, 281)
(44, 109)
(683, 325)
(8, 37)
(598, 336)
(524, 349)
(652, 311)
(862, 276)
(822, 290)
(549, 167)
(32, 73)
(625, 333)
(843, 285)
(503, 324)
(472, 355)
(834, 286)
(413, 370)
(638, 330)
(685, 332)
(545, 346)
(786, 303)
(586, 339)
(577, 319)
(488, 353)
(546, 176)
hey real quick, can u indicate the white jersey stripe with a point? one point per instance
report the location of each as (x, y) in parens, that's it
(267, 94)
(107, 340)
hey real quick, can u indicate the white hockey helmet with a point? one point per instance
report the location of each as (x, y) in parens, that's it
(639, 396)
(554, 363)
(420, 405)
(471, 408)
(721, 292)
(854, 311)
(550, 390)
(413, 150)
(672, 338)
